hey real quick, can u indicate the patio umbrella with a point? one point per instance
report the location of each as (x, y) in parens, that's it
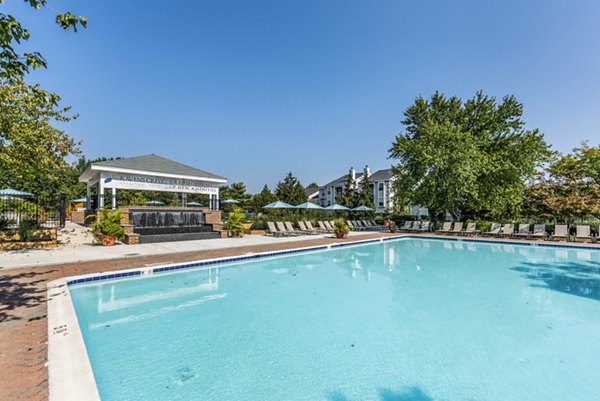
(362, 208)
(335, 206)
(308, 205)
(278, 205)
(194, 204)
(80, 200)
(227, 201)
(154, 202)
(14, 192)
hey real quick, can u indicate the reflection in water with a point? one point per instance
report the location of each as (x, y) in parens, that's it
(581, 279)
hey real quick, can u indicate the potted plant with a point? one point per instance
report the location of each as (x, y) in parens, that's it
(107, 227)
(235, 222)
(340, 228)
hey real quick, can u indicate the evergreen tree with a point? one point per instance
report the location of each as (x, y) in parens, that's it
(349, 195)
(365, 195)
(262, 198)
(290, 190)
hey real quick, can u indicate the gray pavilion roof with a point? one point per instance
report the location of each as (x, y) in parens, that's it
(157, 164)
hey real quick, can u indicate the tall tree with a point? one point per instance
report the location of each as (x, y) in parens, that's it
(236, 191)
(13, 65)
(570, 187)
(290, 190)
(262, 198)
(365, 195)
(349, 195)
(471, 157)
(32, 152)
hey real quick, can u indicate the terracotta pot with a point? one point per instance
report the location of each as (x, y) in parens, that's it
(108, 241)
(342, 234)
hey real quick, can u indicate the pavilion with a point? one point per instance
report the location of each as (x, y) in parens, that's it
(149, 173)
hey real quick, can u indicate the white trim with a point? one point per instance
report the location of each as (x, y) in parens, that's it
(148, 172)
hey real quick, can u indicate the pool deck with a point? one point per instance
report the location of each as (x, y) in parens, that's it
(23, 291)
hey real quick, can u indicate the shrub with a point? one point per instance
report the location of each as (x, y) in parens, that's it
(108, 224)
(234, 222)
(26, 228)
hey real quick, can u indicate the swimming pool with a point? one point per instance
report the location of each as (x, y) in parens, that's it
(403, 320)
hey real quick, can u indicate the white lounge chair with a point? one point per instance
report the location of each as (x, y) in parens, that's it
(523, 231)
(561, 231)
(583, 233)
(446, 227)
(494, 230)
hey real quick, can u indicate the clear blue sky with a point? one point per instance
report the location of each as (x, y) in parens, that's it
(254, 89)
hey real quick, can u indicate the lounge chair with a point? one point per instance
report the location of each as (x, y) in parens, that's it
(273, 230)
(583, 232)
(415, 226)
(328, 226)
(322, 226)
(523, 231)
(412, 225)
(362, 225)
(407, 224)
(508, 230)
(368, 226)
(351, 225)
(560, 231)
(539, 231)
(305, 229)
(494, 230)
(311, 228)
(290, 228)
(457, 229)
(375, 225)
(471, 229)
(283, 230)
(425, 226)
(446, 227)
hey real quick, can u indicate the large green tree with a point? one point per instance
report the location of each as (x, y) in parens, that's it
(236, 191)
(365, 195)
(14, 65)
(290, 190)
(349, 195)
(262, 198)
(569, 188)
(33, 153)
(470, 157)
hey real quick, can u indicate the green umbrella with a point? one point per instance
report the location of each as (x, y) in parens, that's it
(278, 205)
(362, 208)
(308, 205)
(335, 206)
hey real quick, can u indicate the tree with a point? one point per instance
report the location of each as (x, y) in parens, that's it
(13, 66)
(570, 187)
(365, 195)
(290, 190)
(235, 191)
(313, 185)
(262, 198)
(473, 157)
(349, 195)
(32, 152)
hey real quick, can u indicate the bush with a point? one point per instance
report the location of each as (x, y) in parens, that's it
(235, 221)
(26, 228)
(108, 224)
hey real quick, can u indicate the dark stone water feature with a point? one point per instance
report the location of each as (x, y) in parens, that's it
(175, 225)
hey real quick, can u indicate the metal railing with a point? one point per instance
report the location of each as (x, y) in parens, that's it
(14, 210)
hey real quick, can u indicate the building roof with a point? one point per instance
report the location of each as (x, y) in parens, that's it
(154, 164)
(311, 192)
(341, 180)
(381, 175)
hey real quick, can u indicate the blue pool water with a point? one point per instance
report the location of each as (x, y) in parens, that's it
(406, 320)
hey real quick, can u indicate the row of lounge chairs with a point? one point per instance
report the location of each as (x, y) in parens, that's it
(287, 229)
(561, 231)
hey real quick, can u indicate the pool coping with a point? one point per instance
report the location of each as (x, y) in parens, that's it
(70, 375)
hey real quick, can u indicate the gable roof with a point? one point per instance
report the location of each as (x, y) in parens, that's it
(154, 164)
(381, 175)
(341, 180)
(311, 192)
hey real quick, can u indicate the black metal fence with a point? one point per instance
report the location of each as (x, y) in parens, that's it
(47, 213)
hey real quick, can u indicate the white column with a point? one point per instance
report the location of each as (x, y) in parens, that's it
(100, 195)
(114, 198)
(88, 197)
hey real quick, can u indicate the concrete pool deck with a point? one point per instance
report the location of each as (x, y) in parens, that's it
(24, 324)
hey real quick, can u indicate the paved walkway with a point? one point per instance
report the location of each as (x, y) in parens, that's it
(23, 322)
